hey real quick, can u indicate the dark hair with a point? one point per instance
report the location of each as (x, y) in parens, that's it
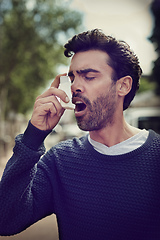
(122, 59)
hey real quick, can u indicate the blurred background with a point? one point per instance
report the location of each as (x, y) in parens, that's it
(32, 35)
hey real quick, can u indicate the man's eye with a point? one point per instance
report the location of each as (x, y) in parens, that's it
(89, 78)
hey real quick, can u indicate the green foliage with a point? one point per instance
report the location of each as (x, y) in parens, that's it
(155, 38)
(32, 34)
(146, 84)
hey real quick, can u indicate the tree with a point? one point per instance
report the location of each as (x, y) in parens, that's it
(155, 38)
(31, 37)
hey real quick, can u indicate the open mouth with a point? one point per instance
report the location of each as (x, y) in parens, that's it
(79, 104)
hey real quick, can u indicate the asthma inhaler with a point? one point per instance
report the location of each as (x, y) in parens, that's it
(65, 85)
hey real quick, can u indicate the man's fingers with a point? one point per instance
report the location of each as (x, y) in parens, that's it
(54, 92)
(49, 101)
(47, 108)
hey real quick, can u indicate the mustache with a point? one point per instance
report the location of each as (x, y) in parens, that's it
(79, 95)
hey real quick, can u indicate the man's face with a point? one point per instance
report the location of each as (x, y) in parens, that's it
(94, 92)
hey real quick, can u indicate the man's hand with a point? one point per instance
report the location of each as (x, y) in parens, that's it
(47, 109)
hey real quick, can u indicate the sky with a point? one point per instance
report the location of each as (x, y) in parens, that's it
(128, 20)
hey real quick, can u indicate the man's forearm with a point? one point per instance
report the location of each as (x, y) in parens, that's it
(15, 202)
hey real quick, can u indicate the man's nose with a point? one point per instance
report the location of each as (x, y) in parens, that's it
(77, 85)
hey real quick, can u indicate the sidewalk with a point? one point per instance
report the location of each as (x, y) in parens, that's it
(45, 229)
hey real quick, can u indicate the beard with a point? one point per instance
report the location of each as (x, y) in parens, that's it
(99, 113)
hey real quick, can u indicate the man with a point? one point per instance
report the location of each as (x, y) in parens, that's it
(105, 185)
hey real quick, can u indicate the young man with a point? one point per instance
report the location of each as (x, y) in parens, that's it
(104, 185)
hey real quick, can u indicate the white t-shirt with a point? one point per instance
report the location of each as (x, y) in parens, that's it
(123, 147)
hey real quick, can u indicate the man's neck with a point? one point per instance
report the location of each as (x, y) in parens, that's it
(114, 134)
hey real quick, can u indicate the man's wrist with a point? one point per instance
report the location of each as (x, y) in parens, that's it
(34, 137)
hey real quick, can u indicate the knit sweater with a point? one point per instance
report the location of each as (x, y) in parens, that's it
(94, 196)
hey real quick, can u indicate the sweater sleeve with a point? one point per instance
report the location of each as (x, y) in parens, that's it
(25, 188)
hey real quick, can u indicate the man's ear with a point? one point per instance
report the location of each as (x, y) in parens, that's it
(124, 85)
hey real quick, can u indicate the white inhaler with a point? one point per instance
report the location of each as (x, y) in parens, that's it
(65, 85)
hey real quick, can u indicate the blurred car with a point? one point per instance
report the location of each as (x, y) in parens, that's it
(144, 118)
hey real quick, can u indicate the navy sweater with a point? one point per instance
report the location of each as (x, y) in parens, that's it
(94, 196)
